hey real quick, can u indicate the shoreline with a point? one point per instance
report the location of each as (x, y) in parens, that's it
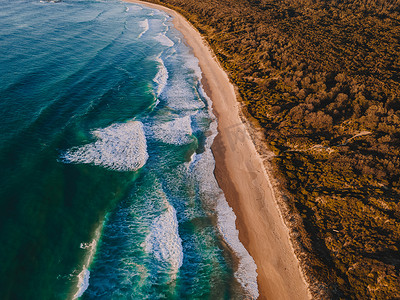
(242, 176)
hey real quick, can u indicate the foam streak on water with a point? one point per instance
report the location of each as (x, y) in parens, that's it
(145, 25)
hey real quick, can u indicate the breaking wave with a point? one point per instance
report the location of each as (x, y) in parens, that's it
(84, 275)
(119, 147)
(176, 132)
(164, 241)
(164, 40)
(145, 25)
(182, 96)
(83, 282)
(246, 273)
(161, 77)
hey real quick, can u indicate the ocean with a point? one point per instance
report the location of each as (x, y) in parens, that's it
(107, 188)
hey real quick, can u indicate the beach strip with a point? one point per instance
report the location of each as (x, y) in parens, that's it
(241, 174)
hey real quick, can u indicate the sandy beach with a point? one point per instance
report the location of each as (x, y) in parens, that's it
(242, 176)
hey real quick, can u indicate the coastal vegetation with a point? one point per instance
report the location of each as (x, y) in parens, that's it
(322, 78)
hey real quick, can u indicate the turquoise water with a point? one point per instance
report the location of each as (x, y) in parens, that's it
(107, 188)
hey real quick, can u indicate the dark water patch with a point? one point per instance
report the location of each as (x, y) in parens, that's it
(52, 209)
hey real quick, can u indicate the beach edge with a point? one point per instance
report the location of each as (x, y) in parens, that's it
(243, 176)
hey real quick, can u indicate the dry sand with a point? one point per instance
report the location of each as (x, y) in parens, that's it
(241, 175)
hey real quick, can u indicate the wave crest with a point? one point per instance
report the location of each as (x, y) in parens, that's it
(164, 40)
(119, 147)
(164, 241)
(176, 132)
(246, 273)
(161, 77)
(145, 26)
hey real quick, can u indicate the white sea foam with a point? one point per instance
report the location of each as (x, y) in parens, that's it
(246, 273)
(135, 8)
(214, 125)
(84, 275)
(119, 147)
(192, 63)
(181, 96)
(83, 283)
(164, 40)
(88, 245)
(161, 77)
(145, 25)
(164, 241)
(176, 132)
